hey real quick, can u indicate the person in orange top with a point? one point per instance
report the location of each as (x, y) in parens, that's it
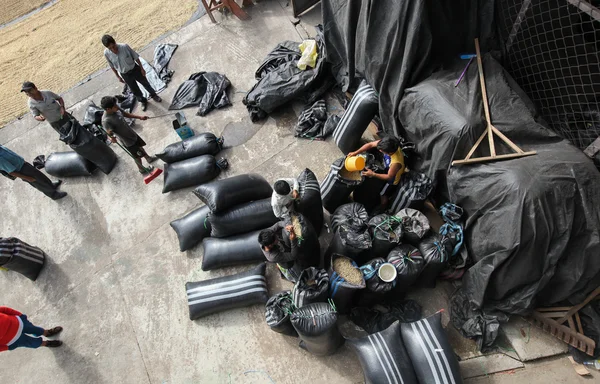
(16, 331)
(393, 159)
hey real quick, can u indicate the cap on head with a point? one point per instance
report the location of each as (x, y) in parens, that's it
(27, 86)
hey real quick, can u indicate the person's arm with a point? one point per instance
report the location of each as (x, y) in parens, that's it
(36, 113)
(364, 148)
(9, 311)
(132, 116)
(60, 102)
(26, 178)
(390, 176)
(295, 188)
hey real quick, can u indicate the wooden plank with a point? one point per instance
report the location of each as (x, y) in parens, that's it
(493, 158)
(474, 148)
(578, 321)
(579, 306)
(553, 314)
(552, 309)
(508, 141)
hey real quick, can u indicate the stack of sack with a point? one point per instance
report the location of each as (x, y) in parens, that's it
(192, 161)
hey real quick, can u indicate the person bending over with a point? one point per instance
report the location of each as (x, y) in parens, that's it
(114, 123)
(393, 160)
(285, 191)
(279, 244)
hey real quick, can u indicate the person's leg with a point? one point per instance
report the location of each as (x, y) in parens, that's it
(31, 329)
(145, 155)
(144, 81)
(130, 80)
(41, 183)
(26, 341)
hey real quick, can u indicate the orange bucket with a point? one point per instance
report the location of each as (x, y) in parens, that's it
(354, 163)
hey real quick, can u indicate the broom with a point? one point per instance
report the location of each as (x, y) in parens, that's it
(151, 174)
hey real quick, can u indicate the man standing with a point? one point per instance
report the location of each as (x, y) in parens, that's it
(14, 166)
(16, 331)
(125, 63)
(46, 105)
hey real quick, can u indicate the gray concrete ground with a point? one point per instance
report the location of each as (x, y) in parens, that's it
(115, 278)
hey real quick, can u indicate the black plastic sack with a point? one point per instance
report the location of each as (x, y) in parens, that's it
(202, 144)
(278, 311)
(208, 90)
(227, 292)
(415, 225)
(341, 290)
(409, 264)
(192, 228)
(88, 146)
(368, 193)
(383, 357)
(386, 232)
(351, 233)
(93, 114)
(191, 172)
(68, 164)
(312, 287)
(378, 318)
(430, 352)
(231, 251)
(316, 326)
(337, 186)
(243, 218)
(412, 191)
(309, 202)
(436, 252)
(281, 81)
(308, 241)
(312, 122)
(356, 118)
(23, 258)
(223, 194)
(372, 280)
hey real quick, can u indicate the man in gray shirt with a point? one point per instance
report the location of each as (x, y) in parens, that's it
(125, 63)
(45, 105)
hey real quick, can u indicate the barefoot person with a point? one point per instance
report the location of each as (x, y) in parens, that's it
(114, 123)
(126, 65)
(18, 332)
(14, 166)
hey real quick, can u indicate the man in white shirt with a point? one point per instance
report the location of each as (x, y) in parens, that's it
(285, 191)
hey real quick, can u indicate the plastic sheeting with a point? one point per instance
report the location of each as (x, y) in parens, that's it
(376, 319)
(208, 90)
(395, 44)
(162, 56)
(532, 223)
(280, 81)
(312, 122)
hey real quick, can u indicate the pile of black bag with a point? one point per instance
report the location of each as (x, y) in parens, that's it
(192, 161)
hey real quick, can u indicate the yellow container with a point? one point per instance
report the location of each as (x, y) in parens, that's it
(354, 163)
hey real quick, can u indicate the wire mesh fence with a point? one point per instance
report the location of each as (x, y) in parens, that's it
(551, 48)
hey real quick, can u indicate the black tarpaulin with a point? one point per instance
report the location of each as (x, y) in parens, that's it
(396, 43)
(532, 223)
(205, 89)
(280, 81)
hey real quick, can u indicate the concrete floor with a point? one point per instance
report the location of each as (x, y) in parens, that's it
(115, 279)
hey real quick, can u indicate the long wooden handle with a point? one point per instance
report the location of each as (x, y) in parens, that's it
(486, 107)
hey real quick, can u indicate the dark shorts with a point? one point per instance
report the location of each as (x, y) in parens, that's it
(137, 149)
(388, 190)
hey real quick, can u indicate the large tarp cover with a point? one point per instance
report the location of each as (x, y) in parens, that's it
(396, 43)
(531, 223)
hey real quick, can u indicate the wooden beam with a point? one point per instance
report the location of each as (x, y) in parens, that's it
(493, 158)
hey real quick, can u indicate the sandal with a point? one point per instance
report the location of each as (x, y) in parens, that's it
(53, 331)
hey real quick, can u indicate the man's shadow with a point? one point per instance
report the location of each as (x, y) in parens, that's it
(80, 369)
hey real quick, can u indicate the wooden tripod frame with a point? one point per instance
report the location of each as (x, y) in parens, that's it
(490, 130)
